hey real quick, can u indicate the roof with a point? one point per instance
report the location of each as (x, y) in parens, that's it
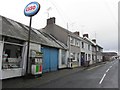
(99, 46)
(17, 30)
(93, 43)
(109, 53)
(90, 41)
(66, 31)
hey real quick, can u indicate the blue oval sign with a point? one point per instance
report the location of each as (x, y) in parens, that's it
(32, 9)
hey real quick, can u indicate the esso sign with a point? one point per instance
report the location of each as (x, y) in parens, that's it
(32, 9)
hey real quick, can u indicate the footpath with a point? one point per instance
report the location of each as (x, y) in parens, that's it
(21, 82)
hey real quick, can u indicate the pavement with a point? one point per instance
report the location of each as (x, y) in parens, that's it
(81, 77)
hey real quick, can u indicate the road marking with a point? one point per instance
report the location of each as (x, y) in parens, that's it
(110, 66)
(107, 70)
(102, 78)
(94, 67)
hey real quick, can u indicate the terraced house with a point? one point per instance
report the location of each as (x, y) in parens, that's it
(60, 48)
(81, 49)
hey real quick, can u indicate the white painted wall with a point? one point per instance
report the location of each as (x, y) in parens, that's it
(60, 60)
(85, 49)
(1, 51)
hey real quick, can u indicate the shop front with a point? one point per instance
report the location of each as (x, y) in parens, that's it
(12, 52)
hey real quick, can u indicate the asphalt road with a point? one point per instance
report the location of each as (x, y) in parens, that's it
(101, 76)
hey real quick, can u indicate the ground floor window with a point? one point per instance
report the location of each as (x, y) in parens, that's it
(89, 57)
(63, 56)
(86, 57)
(73, 55)
(78, 56)
(12, 55)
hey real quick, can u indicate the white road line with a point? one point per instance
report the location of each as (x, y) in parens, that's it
(102, 79)
(107, 70)
(106, 73)
(110, 67)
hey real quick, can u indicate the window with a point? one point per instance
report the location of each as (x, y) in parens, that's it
(12, 53)
(89, 57)
(77, 43)
(82, 44)
(63, 56)
(73, 56)
(93, 57)
(78, 57)
(72, 41)
(88, 47)
(86, 57)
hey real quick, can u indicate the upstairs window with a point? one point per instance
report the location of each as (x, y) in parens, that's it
(88, 47)
(82, 44)
(77, 43)
(72, 40)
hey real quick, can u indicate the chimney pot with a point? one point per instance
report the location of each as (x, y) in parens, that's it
(51, 20)
(94, 40)
(77, 33)
(86, 35)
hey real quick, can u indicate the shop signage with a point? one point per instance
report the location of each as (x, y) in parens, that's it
(32, 9)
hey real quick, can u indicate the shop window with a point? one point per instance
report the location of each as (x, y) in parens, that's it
(12, 55)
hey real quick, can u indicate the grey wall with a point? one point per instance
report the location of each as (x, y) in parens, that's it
(75, 49)
(57, 32)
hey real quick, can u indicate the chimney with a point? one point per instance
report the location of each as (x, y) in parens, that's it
(51, 20)
(94, 40)
(85, 35)
(77, 33)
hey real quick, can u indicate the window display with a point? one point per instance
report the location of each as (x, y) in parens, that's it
(12, 55)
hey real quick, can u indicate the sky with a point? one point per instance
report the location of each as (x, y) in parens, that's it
(98, 18)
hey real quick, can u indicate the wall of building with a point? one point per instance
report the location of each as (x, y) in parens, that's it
(1, 51)
(86, 51)
(57, 32)
(0, 26)
(61, 65)
(75, 51)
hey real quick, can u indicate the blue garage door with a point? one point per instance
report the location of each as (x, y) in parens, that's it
(50, 59)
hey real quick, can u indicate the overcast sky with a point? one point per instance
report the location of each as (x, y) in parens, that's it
(98, 18)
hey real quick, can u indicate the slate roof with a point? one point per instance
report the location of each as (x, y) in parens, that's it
(17, 30)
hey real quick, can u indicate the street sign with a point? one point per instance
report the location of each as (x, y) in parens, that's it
(32, 9)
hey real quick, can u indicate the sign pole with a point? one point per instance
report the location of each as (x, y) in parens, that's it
(30, 10)
(28, 48)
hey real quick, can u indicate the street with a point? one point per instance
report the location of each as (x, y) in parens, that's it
(100, 76)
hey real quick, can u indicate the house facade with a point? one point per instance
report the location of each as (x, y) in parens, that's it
(107, 56)
(99, 51)
(71, 40)
(86, 50)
